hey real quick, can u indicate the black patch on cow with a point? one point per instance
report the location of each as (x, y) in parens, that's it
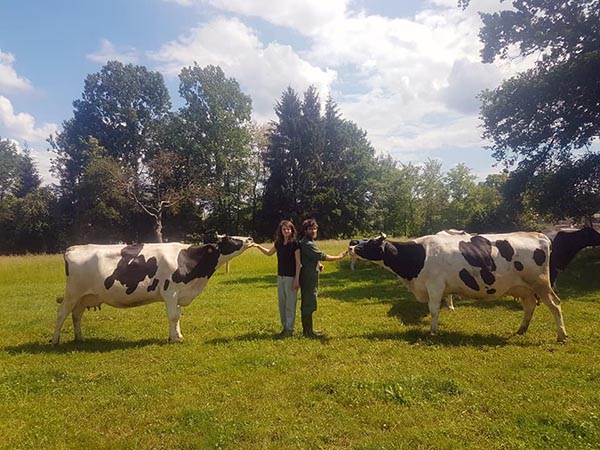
(228, 245)
(468, 279)
(487, 277)
(167, 282)
(478, 253)
(518, 266)
(505, 249)
(491, 291)
(132, 268)
(196, 262)
(539, 256)
(406, 259)
(154, 285)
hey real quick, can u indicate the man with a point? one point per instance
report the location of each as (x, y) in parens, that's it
(311, 258)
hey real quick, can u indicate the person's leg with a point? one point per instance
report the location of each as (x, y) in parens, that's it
(291, 298)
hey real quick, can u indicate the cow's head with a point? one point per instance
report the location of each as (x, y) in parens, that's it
(370, 249)
(591, 236)
(231, 246)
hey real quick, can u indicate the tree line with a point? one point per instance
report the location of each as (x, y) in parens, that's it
(130, 168)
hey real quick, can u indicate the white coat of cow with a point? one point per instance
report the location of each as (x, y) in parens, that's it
(125, 276)
(480, 267)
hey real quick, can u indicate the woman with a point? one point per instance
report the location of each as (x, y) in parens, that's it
(288, 273)
(311, 256)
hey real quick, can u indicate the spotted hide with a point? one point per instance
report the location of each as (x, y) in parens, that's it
(134, 275)
(479, 267)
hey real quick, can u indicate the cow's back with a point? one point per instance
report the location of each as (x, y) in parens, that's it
(485, 266)
(120, 275)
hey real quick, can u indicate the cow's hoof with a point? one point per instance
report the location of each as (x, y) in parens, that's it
(176, 341)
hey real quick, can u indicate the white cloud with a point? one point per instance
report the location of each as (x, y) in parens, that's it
(22, 126)
(301, 15)
(108, 52)
(9, 80)
(264, 71)
(413, 80)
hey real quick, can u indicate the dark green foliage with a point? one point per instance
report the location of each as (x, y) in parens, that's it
(319, 166)
(216, 134)
(539, 117)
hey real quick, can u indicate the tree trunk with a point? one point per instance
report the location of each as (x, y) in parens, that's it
(158, 230)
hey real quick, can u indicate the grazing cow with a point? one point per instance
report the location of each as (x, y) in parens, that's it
(139, 274)
(566, 244)
(478, 267)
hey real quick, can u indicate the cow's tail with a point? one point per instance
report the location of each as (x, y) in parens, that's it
(59, 300)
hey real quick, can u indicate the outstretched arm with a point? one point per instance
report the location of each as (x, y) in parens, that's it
(267, 251)
(336, 257)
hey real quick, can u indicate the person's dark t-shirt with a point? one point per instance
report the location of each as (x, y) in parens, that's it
(286, 261)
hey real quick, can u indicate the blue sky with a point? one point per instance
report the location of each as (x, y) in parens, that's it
(405, 71)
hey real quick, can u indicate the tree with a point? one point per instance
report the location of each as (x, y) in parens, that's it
(461, 187)
(433, 197)
(9, 168)
(216, 118)
(29, 177)
(345, 182)
(102, 207)
(123, 107)
(395, 198)
(282, 191)
(539, 117)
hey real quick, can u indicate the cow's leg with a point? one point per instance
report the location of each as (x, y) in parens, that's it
(435, 293)
(64, 309)
(553, 303)
(173, 314)
(77, 314)
(449, 302)
(529, 304)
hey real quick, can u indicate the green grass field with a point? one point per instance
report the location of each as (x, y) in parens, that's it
(378, 380)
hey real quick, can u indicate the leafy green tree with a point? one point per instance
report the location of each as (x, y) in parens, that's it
(29, 177)
(396, 198)
(539, 117)
(216, 118)
(282, 191)
(9, 168)
(461, 187)
(123, 107)
(433, 197)
(103, 210)
(342, 202)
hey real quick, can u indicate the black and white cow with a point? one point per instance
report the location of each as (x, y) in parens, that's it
(566, 244)
(484, 266)
(139, 274)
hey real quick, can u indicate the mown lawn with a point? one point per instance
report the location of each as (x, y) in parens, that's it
(378, 380)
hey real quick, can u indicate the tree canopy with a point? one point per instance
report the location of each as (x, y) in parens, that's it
(545, 120)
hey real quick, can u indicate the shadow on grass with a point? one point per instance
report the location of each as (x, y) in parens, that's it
(88, 346)
(249, 337)
(444, 339)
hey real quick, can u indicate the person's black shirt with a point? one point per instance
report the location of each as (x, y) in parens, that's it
(286, 261)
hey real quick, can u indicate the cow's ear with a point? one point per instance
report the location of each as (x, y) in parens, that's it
(382, 235)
